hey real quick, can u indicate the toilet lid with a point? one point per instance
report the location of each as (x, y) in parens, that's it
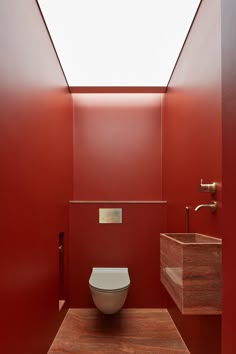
(109, 278)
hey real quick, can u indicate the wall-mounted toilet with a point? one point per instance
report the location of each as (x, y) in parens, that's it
(109, 288)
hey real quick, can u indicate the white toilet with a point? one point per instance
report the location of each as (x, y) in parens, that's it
(109, 288)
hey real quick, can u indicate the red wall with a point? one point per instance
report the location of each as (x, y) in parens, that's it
(133, 244)
(36, 178)
(117, 147)
(192, 145)
(229, 174)
(117, 156)
(192, 149)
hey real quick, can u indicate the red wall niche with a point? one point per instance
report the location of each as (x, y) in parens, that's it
(36, 178)
(192, 149)
(134, 244)
(117, 147)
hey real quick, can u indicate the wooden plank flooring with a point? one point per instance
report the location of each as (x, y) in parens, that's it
(139, 331)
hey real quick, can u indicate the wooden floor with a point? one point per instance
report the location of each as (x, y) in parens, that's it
(139, 331)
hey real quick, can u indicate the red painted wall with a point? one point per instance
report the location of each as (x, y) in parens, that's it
(133, 244)
(117, 156)
(229, 174)
(36, 178)
(192, 149)
(192, 145)
(117, 147)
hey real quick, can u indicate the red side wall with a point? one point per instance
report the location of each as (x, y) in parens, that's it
(192, 150)
(117, 156)
(36, 178)
(229, 174)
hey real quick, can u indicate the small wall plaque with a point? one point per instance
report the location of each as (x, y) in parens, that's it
(110, 215)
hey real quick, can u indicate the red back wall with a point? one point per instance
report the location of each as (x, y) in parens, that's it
(117, 156)
(133, 244)
(229, 174)
(117, 147)
(192, 150)
(36, 178)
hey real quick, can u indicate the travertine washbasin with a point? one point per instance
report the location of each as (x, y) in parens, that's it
(191, 271)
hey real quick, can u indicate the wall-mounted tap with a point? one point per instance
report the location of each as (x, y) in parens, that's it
(212, 206)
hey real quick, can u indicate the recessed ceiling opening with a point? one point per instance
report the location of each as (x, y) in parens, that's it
(118, 42)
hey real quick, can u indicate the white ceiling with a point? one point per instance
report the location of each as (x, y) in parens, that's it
(118, 42)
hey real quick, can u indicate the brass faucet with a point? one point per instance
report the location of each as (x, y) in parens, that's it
(212, 206)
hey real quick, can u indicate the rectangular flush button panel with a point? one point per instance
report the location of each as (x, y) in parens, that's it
(110, 215)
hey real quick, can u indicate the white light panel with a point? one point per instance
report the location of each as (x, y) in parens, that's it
(118, 42)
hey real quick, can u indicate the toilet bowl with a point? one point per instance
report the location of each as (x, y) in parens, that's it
(109, 288)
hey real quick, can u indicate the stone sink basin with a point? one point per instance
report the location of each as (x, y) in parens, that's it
(190, 265)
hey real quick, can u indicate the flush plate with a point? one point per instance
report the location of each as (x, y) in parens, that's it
(110, 215)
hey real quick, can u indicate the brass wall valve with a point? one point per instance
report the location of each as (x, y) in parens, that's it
(207, 187)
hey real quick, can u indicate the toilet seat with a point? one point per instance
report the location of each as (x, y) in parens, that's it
(109, 279)
(108, 291)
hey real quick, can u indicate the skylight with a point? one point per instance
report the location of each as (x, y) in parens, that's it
(118, 42)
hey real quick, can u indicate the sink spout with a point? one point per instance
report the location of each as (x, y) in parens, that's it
(212, 206)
